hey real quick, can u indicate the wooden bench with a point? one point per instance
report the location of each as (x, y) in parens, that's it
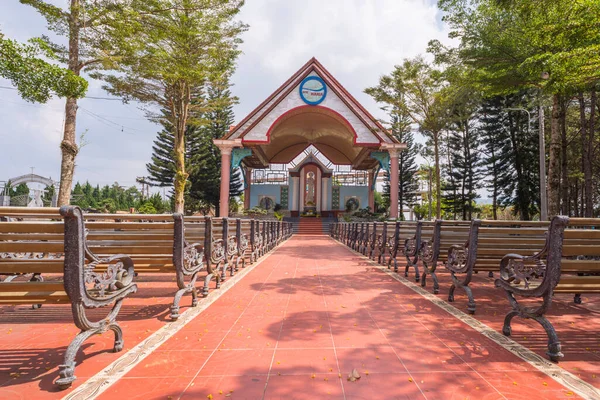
(568, 262)
(436, 240)
(155, 243)
(405, 242)
(488, 243)
(51, 243)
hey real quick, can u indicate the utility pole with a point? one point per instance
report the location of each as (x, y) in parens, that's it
(543, 193)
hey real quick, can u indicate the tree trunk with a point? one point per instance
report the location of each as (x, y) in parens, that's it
(554, 160)
(180, 174)
(180, 110)
(68, 146)
(589, 152)
(436, 144)
(564, 185)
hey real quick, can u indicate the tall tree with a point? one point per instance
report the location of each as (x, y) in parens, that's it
(85, 23)
(414, 88)
(177, 46)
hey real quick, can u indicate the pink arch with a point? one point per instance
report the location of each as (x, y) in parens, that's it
(336, 115)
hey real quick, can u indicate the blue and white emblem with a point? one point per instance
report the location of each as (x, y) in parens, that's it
(313, 90)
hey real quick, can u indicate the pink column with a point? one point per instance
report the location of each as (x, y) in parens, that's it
(225, 175)
(371, 193)
(247, 191)
(393, 183)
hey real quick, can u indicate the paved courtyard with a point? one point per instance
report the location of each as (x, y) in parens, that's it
(295, 326)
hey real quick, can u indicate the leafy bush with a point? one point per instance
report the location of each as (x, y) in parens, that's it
(147, 208)
(256, 211)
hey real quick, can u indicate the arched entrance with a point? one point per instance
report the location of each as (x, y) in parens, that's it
(27, 200)
(311, 110)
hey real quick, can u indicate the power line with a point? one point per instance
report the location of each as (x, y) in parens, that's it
(85, 97)
(110, 122)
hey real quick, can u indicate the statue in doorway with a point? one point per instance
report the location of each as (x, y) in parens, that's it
(310, 188)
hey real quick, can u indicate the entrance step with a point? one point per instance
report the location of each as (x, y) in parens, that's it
(310, 226)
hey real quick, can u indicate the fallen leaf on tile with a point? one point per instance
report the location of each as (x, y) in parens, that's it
(353, 376)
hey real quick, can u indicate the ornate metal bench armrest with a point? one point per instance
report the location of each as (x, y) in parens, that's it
(426, 251)
(217, 251)
(410, 246)
(516, 269)
(457, 258)
(101, 288)
(193, 258)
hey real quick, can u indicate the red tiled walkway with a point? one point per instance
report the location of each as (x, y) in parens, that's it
(309, 314)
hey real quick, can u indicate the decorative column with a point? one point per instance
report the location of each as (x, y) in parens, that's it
(325, 194)
(247, 189)
(372, 180)
(226, 147)
(394, 181)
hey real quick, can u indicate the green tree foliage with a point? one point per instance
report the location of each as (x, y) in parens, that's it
(414, 89)
(116, 198)
(173, 48)
(36, 79)
(20, 190)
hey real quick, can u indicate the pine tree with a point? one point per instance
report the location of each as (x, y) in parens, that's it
(520, 182)
(463, 170)
(495, 142)
(511, 154)
(161, 169)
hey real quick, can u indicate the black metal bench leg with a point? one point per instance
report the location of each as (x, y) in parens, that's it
(67, 369)
(554, 349)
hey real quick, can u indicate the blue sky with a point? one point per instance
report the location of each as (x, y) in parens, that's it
(357, 40)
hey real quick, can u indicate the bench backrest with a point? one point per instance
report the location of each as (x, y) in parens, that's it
(148, 239)
(495, 239)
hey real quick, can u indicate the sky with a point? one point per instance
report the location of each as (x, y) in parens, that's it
(356, 40)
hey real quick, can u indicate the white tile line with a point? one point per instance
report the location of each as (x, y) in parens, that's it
(555, 372)
(98, 383)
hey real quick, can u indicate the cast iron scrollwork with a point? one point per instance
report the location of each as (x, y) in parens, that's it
(457, 258)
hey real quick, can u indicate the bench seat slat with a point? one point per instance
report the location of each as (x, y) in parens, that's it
(32, 247)
(9, 287)
(29, 266)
